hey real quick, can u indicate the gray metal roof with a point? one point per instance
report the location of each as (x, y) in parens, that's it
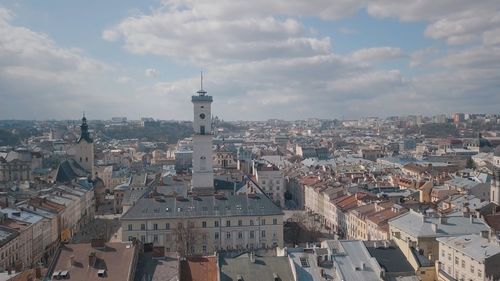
(202, 206)
(262, 269)
(389, 256)
(418, 225)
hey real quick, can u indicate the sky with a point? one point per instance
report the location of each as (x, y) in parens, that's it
(285, 59)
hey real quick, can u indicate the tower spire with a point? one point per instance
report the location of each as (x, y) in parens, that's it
(201, 92)
(201, 82)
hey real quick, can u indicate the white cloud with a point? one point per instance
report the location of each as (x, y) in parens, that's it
(492, 37)
(376, 54)
(151, 72)
(123, 80)
(110, 35)
(262, 61)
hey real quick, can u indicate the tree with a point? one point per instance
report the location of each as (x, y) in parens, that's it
(185, 238)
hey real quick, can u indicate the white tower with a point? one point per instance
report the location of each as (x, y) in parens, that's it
(203, 177)
(84, 148)
(495, 182)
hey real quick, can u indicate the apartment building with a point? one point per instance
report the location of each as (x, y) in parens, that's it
(204, 224)
(272, 181)
(468, 257)
(420, 230)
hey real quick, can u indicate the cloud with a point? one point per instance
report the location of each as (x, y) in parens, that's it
(151, 72)
(376, 54)
(263, 61)
(457, 22)
(492, 37)
(123, 80)
(39, 79)
(110, 35)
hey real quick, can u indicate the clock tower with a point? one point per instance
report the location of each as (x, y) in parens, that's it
(203, 177)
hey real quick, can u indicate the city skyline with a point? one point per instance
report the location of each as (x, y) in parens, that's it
(285, 60)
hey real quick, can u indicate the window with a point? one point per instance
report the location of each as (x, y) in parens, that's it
(130, 238)
(443, 253)
(456, 260)
(86, 159)
(202, 130)
(179, 225)
(143, 238)
(275, 221)
(240, 223)
(129, 227)
(240, 235)
(228, 235)
(167, 226)
(204, 248)
(216, 235)
(252, 234)
(143, 226)
(228, 223)
(449, 256)
(262, 222)
(471, 269)
(155, 226)
(263, 234)
(463, 263)
(216, 223)
(204, 224)
(204, 237)
(155, 238)
(479, 273)
(263, 182)
(251, 222)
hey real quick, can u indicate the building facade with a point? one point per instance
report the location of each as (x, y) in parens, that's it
(204, 224)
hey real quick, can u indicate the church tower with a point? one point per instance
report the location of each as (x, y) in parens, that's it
(495, 181)
(84, 148)
(203, 177)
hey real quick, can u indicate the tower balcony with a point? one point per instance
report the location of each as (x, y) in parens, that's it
(201, 98)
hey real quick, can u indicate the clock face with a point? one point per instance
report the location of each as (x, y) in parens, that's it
(202, 115)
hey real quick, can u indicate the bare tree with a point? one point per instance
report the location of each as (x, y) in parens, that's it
(185, 238)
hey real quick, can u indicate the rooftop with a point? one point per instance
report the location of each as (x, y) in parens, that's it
(199, 269)
(202, 206)
(115, 258)
(7, 234)
(418, 225)
(389, 256)
(262, 268)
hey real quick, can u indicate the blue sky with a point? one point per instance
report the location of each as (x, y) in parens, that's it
(286, 59)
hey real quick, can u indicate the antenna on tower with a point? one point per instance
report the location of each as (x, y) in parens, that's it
(201, 92)
(201, 82)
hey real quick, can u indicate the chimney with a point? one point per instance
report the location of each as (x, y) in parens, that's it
(71, 261)
(434, 227)
(92, 259)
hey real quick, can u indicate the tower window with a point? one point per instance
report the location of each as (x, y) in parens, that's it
(80, 159)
